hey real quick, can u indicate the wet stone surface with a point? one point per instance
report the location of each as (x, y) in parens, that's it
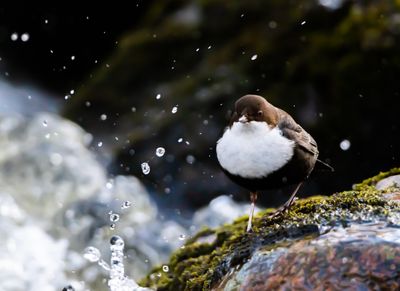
(392, 181)
(359, 257)
(348, 241)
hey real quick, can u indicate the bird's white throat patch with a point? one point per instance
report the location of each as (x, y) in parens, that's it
(253, 149)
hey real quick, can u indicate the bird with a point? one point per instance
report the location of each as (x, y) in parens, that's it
(264, 148)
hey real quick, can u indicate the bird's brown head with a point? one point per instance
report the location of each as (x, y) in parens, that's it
(254, 108)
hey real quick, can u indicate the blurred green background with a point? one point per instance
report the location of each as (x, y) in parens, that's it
(333, 65)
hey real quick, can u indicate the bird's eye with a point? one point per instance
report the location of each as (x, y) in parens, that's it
(260, 112)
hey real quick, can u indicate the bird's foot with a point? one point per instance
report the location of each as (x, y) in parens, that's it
(279, 212)
(284, 208)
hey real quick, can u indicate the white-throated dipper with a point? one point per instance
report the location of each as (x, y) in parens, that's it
(264, 148)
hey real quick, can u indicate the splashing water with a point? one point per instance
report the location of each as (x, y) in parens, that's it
(145, 168)
(126, 204)
(25, 37)
(114, 217)
(345, 144)
(117, 280)
(160, 151)
(93, 255)
(165, 268)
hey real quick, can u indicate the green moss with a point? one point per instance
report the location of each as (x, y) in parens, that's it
(375, 179)
(208, 256)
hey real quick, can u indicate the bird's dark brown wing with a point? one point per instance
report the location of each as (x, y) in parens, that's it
(295, 132)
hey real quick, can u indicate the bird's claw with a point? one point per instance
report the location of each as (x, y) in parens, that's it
(278, 212)
(284, 208)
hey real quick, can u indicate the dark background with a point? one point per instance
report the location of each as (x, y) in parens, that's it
(89, 34)
(335, 69)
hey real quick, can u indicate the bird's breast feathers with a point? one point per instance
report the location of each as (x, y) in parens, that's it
(253, 149)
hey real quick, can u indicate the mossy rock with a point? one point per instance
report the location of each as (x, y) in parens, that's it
(208, 256)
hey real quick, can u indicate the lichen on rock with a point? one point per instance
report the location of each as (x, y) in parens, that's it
(210, 258)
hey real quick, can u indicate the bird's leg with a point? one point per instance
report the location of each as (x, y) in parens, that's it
(291, 199)
(253, 199)
(289, 202)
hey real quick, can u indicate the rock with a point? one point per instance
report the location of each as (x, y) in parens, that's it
(348, 239)
(392, 181)
(360, 257)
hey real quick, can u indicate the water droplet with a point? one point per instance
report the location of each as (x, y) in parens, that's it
(47, 135)
(180, 140)
(182, 237)
(158, 96)
(304, 22)
(160, 151)
(174, 109)
(272, 24)
(100, 144)
(117, 241)
(114, 217)
(92, 254)
(254, 57)
(133, 109)
(126, 204)
(71, 92)
(190, 159)
(87, 103)
(112, 226)
(209, 47)
(165, 268)
(145, 168)
(66, 97)
(56, 159)
(197, 49)
(109, 185)
(14, 36)
(103, 117)
(25, 37)
(345, 144)
(72, 58)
